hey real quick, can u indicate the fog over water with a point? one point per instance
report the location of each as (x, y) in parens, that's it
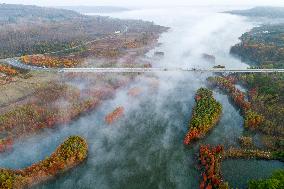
(194, 30)
(145, 148)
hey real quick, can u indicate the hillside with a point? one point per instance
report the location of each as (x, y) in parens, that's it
(262, 46)
(95, 9)
(36, 30)
(269, 12)
(17, 13)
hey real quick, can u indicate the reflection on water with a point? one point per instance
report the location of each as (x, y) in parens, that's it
(238, 172)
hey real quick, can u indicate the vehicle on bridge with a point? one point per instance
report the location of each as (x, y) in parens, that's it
(219, 67)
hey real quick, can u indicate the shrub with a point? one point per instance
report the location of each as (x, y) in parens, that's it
(246, 141)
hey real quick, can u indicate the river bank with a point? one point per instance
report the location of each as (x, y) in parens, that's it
(69, 154)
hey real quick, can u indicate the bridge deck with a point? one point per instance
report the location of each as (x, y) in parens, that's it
(141, 70)
(16, 63)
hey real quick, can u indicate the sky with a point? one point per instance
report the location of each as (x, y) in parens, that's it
(137, 3)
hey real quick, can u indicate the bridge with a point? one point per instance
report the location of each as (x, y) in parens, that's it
(143, 70)
(16, 63)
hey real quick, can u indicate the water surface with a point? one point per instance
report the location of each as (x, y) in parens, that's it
(145, 148)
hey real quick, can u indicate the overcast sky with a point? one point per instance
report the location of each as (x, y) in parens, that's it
(138, 3)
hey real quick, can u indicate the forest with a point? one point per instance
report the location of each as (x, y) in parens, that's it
(262, 46)
(30, 32)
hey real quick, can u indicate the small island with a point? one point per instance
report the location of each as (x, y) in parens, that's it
(208, 57)
(72, 152)
(114, 115)
(205, 115)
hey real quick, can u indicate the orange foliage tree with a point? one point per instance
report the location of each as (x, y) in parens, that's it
(210, 162)
(8, 70)
(50, 61)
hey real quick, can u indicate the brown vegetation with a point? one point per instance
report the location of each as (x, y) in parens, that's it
(115, 115)
(247, 154)
(49, 61)
(134, 92)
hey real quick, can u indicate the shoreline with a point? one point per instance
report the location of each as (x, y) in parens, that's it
(201, 123)
(72, 152)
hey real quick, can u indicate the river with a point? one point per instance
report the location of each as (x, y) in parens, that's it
(145, 148)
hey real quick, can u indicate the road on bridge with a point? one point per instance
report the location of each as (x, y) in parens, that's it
(16, 63)
(141, 70)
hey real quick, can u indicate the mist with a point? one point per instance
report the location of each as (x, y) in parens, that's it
(194, 31)
(144, 148)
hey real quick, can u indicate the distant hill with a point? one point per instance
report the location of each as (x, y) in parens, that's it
(11, 13)
(269, 12)
(95, 9)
